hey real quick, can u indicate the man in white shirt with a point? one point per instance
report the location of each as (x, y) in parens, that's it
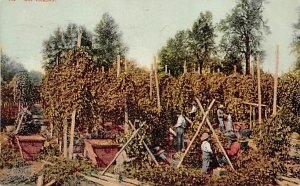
(193, 111)
(206, 152)
(180, 125)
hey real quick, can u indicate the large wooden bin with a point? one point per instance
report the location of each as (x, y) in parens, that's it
(101, 151)
(30, 146)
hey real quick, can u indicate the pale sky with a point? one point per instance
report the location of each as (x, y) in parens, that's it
(145, 24)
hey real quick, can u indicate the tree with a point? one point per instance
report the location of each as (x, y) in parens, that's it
(36, 77)
(175, 53)
(61, 41)
(296, 43)
(9, 68)
(202, 39)
(244, 29)
(107, 42)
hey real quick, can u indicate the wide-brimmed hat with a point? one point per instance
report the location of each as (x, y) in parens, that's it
(221, 106)
(204, 136)
(233, 137)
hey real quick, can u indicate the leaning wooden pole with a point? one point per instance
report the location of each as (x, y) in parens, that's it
(65, 138)
(259, 90)
(196, 134)
(215, 135)
(157, 84)
(72, 134)
(124, 146)
(276, 82)
(146, 146)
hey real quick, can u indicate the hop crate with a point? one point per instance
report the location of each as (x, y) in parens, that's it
(101, 151)
(30, 146)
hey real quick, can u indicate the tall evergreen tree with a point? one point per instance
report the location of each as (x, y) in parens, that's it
(61, 41)
(107, 42)
(244, 29)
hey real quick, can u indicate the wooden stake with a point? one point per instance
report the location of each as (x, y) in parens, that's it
(199, 70)
(145, 145)
(259, 90)
(102, 68)
(196, 134)
(151, 83)
(40, 180)
(72, 135)
(79, 40)
(19, 124)
(124, 146)
(184, 68)
(234, 67)
(157, 84)
(65, 138)
(276, 82)
(166, 69)
(126, 67)
(215, 135)
(251, 117)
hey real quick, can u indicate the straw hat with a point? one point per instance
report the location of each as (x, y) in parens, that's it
(204, 136)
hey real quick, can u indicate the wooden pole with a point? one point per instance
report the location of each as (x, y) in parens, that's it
(151, 83)
(184, 68)
(40, 180)
(215, 135)
(166, 69)
(234, 67)
(65, 138)
(102, 68)
(196, 134)
(259, 90)
(199, 70)
(118, 66)
(126, 67)
(124, 146)
(19, 124)
(79, 40)
(251, 117)
(145, 145)
(276, 82)
(72, 135)
(157, 84)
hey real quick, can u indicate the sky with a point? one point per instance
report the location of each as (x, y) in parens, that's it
(145, 25)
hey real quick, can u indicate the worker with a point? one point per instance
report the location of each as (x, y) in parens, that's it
(220, 114)
(180, 126)
(234, 148)
(206, 152)
(160, 154)
(229, 125)
(193, 111)
(119, 168)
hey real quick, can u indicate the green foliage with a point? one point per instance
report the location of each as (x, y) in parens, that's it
(273, 136)
(175, 53)
(243, 31)
(64, 171)
(202, 39)
(296, 43)
(254, 169)
(26, 92)
(61, 41)
(9, 156)
(9, 68)
(107, 41)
